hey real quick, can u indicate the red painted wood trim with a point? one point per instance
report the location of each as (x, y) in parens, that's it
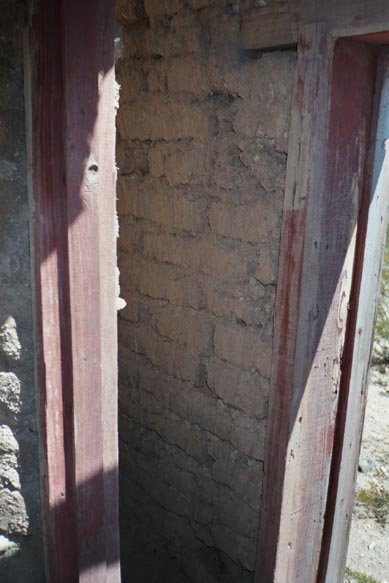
(331, 117)
(73, 223)
(314, 60)
(356, 359)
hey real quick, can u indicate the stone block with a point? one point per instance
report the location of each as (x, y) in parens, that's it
(180, 163)
(187, 437)
(199, 4)
(157, 76)
(161, 282)
(9, 475)
(125, 11)
(235, 514)
(129, 236)
(8, 548)
(239, 388)
(14, 252)
(131, 81)
(241, 474)
(188, 328)
(186, 75)
(166, 355)
(168, 209)
(242, 346)
(134, 310)
(183, 36)
(260, 158)
(13, 513)
(253, 223)
(155, 8)
(10, 392)
(212, 415)
(160, 119)
(230, 181)
(247, 435)
(240, 548)
(243, 303)
(132, 161)
(265, 87)
(267, 269)
(9, 341)
(204, 255)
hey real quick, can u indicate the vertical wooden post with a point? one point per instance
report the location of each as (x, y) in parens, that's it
(72, 154)
(331, 119)
(365, 294)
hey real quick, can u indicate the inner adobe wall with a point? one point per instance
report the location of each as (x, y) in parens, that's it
(21, 553)
(202, 142)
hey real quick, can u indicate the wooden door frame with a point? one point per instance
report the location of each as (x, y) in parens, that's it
(365, 292)
(70, 103)
(323, 320)
(72, 186)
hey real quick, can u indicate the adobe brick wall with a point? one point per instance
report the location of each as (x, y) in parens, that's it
(21, 554)
(202, 140)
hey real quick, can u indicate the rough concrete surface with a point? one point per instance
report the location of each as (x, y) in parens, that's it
(202, 148)
(21, 555)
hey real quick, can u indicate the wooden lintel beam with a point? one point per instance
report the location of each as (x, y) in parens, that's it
(277, 25)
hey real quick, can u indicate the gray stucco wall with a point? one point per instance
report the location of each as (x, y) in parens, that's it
(21, 554)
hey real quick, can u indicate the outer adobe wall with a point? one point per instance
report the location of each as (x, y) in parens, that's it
(21, 555)
(202, 139)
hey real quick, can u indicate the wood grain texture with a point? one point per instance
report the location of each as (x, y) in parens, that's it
(73, 222)
(278, 24)
(267, 27)
(356, 359)
(330, 124)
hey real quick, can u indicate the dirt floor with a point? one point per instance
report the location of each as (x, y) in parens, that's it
(368, 555)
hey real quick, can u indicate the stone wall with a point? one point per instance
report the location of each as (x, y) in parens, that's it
(202, 140)
(21, 555)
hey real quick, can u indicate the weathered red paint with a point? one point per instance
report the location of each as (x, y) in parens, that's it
(377, 38)
(351, 398)
(344, 125)
(73, 198)
(312, 308)
(277, 433)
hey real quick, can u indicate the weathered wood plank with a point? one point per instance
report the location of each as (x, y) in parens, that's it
(278, 24)
(309, 95)
(267, 27)
(370, 247)
(329, 130)
(73, 199)
(49, 257)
